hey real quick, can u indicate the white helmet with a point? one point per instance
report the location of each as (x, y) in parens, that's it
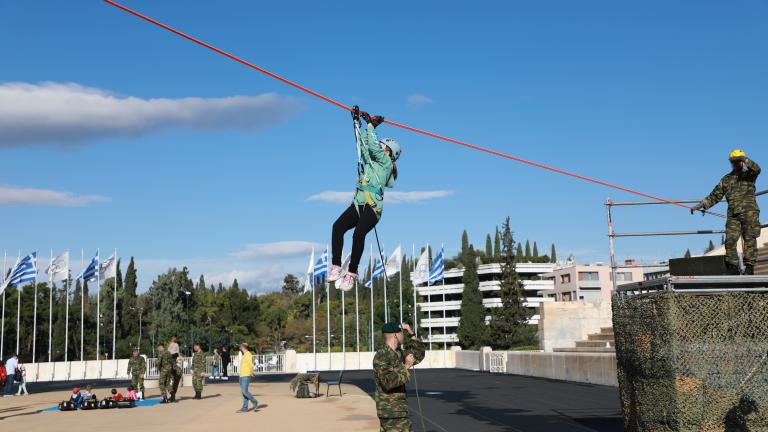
(393, 145)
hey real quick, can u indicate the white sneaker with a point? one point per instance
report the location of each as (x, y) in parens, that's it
(347, 282)
(335, 274)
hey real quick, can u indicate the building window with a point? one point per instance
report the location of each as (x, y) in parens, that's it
(566, 278)
(588, 276)
(623, 277)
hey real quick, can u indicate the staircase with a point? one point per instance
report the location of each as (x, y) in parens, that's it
(602, 342)
(761, 268)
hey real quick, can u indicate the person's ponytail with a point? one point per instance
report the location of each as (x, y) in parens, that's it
(394, 168)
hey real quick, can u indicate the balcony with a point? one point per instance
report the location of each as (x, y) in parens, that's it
(590, 284)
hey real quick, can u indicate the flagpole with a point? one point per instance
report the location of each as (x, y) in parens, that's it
(386, 307)
(114, 309)
(343, 333)
(445, 327)
(401, 286)
(429, 303)
(66, 320)
(371, 265)
(98, 303)
(328, 307)
(314, 320)
(50, 307)
(18, 311)
(357, 324)
(34, 319)
(415, 320)
(82, 307)
(2, 326)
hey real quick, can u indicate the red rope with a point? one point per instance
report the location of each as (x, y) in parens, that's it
(400, 125)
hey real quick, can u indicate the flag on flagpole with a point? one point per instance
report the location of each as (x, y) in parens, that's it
(345, 262)
(321, 266)
(377, 271)
(58, 265)
(89, 274)
(437, 272)
(421, 272)
(25, 270)
(310, 272)
(108, 268)
(394, 262)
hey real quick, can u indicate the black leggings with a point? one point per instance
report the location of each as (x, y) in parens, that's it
(363, 222)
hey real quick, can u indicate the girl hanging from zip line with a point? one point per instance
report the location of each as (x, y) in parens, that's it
(377, 169)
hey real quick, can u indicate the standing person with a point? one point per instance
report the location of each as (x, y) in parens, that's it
(377, 171)
(225, 360)
(246, 370)
(173, 348)
(738, 188)
(137, 367)
(165, 366)
(176, 374)
(198, 371)
(10, 374)
(22, 378)
(390, 374)
(216, 364)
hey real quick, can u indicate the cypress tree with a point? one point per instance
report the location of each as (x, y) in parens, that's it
(497, 245)
(535, 250)
(472, 331)
(130, 314)
(488, 247)
(464, 242)
(553, 254)
(687, 253)
(710, 247)
(527, 250)
(519, 253)
(509, 323)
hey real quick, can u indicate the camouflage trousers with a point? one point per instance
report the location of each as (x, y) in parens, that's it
(137, 382)
(164, 382)
(747, 226)
(395, 424)
(175, 378)
(197, 381)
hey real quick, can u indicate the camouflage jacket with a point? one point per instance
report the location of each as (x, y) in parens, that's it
(137, 365)
(198, 362)
(390, 375)
(165, 363)
(738, 189)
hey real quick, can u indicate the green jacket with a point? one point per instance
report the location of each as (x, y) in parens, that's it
(377, 170)
(165, 363)
(137, 365)
(390, 375)
(738, 189)
(198, 362)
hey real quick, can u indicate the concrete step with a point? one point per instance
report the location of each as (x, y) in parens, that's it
(600, 337)
(594, 344)
(606, 329)
(585, 350)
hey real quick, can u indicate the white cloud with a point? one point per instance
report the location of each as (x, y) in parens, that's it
(418, 99)
(255, 280)
(276, 250)
(393, 197)
(71, 113)
(21, 196)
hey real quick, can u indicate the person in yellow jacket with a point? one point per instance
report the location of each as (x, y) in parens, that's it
(246, 370)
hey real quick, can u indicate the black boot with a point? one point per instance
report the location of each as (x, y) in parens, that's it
(173, 398)
(749, 269)
(198, 395)
(164, 401)
(731, 269)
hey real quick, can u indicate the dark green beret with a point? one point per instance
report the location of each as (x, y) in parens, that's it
(390, 328)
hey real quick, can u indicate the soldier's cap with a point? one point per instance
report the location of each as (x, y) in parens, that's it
(390, 327)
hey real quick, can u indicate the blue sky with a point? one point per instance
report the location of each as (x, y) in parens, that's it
(117, 134)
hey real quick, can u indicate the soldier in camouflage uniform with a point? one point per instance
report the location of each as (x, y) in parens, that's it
(176, 373)
(137, 367)
(738, 188)
(165, 365)
(198, 371)
(390, 373)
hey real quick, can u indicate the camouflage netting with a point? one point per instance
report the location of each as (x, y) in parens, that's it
(689, 362)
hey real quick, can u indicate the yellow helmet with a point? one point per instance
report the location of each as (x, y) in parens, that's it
(737, 155)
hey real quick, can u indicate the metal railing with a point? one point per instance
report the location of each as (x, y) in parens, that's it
(262, 364)
(612, 235)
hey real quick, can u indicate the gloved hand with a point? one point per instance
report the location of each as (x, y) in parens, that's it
(374, 120)
(697, 207)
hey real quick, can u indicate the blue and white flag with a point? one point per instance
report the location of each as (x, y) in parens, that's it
(377, 271)
(25, 270)
(310, 271)
(321, 266)
(437, 272)
(89, 274)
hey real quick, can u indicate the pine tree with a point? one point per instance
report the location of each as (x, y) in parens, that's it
(535, 250)
(687, 253)
(553, 255)
(472, 330)
(291, 285)
(464, 242)
(527, 250)
(497, 246)
(509, 323)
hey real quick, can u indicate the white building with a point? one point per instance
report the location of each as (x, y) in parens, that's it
(442, 303)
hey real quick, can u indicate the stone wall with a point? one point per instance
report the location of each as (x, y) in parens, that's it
(563, 323)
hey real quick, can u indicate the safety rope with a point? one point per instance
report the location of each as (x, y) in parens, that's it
(400, 125)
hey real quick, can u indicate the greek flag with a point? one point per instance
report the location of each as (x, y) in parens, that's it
(321, 266)
(25, 270)
(89, 274)
(437, 272)
(377, 271)
(310, 271)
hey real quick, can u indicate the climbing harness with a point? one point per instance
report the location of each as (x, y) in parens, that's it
(400, 125)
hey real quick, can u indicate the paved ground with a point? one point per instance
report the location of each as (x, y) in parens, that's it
(451, 400)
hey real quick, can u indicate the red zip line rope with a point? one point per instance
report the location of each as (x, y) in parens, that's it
(400, 125)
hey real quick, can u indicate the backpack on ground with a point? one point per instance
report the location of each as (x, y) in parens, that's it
(302, 392)
(67, 406)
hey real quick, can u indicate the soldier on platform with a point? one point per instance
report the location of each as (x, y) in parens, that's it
(198, 371)
(165, 365)
(390, 374)
(176, 374)
(137, 367)
(738, 188)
